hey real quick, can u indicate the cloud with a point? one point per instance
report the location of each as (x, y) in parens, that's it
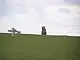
(62, 21)
(64, 10)
(77, 2)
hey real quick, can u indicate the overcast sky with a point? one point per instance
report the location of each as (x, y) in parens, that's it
(59, 16)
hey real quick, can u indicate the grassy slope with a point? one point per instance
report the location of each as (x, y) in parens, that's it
(30, 47)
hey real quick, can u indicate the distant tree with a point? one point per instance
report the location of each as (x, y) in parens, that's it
(18, 32)
(14, 31)
(43, 32)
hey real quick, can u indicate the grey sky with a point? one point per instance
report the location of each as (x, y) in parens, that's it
(73, 1)
(2, 8)
(22, 14)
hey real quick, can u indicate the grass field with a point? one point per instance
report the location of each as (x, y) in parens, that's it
(34, 47)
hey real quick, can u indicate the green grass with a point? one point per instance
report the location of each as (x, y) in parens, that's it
(34, 47)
